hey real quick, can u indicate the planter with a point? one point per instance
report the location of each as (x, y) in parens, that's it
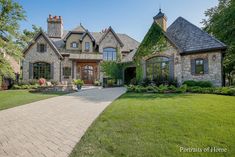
(79, 87)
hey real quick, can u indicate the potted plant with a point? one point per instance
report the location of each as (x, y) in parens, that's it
(79, 83)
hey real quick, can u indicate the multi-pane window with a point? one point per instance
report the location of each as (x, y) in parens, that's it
(74, 45)
(41, 47)
(158, 67)
(87, 46)
(41, 70)
(109, 54)
(199, 66)
(67, 72)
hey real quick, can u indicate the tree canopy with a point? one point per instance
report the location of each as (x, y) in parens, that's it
(10, 15)
(220, 22)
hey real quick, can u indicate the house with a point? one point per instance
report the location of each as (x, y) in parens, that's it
(190, 54)
(76, 54)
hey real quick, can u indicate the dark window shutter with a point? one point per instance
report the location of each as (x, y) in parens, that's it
(72, 69)
(45, 48)
(171, 64)
(206, 66)
(52, 71)
(193, 66)
(30, 71)
(38, 47)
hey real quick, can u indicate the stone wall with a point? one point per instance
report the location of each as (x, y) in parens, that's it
(182, 65)
(66, 62)
(109, 41)
(32, 56)
(214, 66)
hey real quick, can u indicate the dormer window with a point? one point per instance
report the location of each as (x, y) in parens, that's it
(41, 47)
(74, 45)
(87, 46)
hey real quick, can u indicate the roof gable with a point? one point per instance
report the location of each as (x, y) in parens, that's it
(189, 38)
(41, 33)
(115, 35)
(87, 34)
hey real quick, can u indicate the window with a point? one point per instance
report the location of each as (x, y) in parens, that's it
(41, 70)
(87, 46)
(199, 66)
(109, 54)
(67, 72)
(158, 68)
(74, 45)
(41, 47)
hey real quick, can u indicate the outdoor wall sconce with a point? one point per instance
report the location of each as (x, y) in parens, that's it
(214, 57)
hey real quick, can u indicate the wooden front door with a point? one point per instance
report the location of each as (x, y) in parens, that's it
(88, 72)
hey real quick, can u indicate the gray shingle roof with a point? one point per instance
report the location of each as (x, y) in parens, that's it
(129, 43)
(129, 57)
(189, 38)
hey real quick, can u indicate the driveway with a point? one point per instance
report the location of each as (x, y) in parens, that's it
(53, 126)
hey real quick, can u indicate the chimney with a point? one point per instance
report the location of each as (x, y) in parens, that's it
(161, 20)
(55, 27)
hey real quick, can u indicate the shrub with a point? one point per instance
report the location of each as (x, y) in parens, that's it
(162, 88)
(33, 82)
(110, 82)
(42, 81)
(181, 89)
(133, 81)
(97, 83)
(146, 82)
(192, 83)
(78, 82)
(23, 82)
(54, 82)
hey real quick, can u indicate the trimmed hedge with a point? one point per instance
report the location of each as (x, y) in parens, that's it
(192, 83)
(184, 88)
(157, 89)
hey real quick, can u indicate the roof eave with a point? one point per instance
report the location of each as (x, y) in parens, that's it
(222, 49)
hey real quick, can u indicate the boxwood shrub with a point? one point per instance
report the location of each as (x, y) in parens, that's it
(192, 83)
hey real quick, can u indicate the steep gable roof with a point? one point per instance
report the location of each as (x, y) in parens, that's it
(79, 28)
(189, 38)
(115, 35)
(89, 34)
(49, 41)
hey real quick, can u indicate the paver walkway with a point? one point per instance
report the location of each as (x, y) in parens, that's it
(53, 126)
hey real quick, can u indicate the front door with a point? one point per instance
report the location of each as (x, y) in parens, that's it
(88, 74)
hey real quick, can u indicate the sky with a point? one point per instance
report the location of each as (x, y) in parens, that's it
(132, 17)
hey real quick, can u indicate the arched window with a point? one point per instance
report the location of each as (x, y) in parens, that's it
(158, 68)
(109, 54)
(41, 70)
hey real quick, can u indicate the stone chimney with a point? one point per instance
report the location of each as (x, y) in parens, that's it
(55, 27)
(161, 20)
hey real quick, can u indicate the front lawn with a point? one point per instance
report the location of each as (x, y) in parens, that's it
(12, 98)
(152, 125)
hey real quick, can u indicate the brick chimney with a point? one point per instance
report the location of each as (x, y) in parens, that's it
(55, 27)
(161, 20)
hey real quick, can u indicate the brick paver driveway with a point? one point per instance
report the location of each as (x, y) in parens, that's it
(51, 127)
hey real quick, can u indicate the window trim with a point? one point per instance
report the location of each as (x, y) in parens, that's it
(89, 46)
(42, 47)
(109, 55)
(72, 44)
(40, 70)
(201, 65)
(69, 70)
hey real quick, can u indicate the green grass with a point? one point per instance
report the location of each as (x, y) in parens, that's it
(154, 125)
(12, 98)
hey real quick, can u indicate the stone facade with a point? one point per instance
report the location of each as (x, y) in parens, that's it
(182, 65)
(50, 56)
(214, 68)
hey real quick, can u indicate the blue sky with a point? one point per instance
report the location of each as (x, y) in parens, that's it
(132, 17)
